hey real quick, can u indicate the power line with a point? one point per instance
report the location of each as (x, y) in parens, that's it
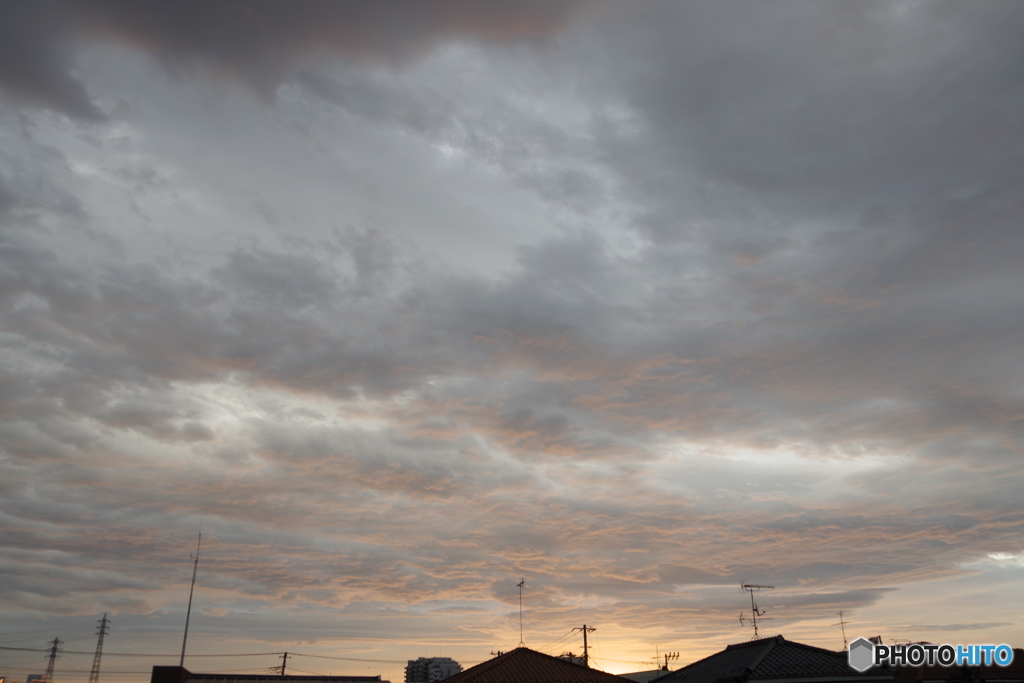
(131, 673)
(148, 654)
(138, 661)
(307, 671)
(600, 652)
(556, 641)
(227, 654)
(348, 659)
(83, 671)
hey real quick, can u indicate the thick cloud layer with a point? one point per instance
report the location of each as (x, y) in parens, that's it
(259, 42)
(675, 299)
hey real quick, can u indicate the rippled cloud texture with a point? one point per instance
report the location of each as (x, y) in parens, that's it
(408, 301)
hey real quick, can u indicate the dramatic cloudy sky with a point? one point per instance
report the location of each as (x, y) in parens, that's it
(406, 301)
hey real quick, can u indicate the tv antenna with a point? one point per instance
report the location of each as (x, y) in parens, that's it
(754, 611)
(842, 624)
(188, 612)
(521, 583)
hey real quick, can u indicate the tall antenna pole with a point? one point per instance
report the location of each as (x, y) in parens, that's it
(586, 654)
(55, 643)
(188, 613)
(842, 625)
(752, 588)
(520, 584)
(94, 674)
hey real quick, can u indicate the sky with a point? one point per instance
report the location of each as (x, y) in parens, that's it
(402, 303)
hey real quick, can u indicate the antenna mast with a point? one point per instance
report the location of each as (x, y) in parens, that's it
(53, 656)
(94, 674)
(753, 588)
(188, 613)
(520, 585)
(586, 655)
(842, 624)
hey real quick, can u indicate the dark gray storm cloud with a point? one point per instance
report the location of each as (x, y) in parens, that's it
(258, 42)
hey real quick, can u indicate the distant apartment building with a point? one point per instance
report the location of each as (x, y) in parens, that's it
(431, 669)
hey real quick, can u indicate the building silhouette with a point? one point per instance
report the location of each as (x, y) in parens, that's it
(431, 669)
(179, 674)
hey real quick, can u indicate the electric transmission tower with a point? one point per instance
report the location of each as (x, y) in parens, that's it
(53, 656)
(94, 674)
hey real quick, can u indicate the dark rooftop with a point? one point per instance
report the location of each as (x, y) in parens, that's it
(524, 665)
(179, 674)
(974, 674)
(771, 658)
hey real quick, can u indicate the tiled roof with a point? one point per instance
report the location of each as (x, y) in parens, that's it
(768, 658)
(524, 665)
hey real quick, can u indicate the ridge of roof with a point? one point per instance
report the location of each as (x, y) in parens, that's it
(524, 664)
(763, 659)
(771, 644)
(727, 663)
(752, 643)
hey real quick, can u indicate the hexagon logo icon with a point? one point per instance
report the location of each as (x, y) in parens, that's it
(862, 654)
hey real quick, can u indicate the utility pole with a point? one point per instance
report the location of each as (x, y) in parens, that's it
(284, 662)
(188, 613)
(586, 655)
(55, 643)
(668, 656)
(94, 674)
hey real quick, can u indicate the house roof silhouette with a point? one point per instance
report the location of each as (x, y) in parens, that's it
(772, 659)
(179, 674)
(523, 665)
